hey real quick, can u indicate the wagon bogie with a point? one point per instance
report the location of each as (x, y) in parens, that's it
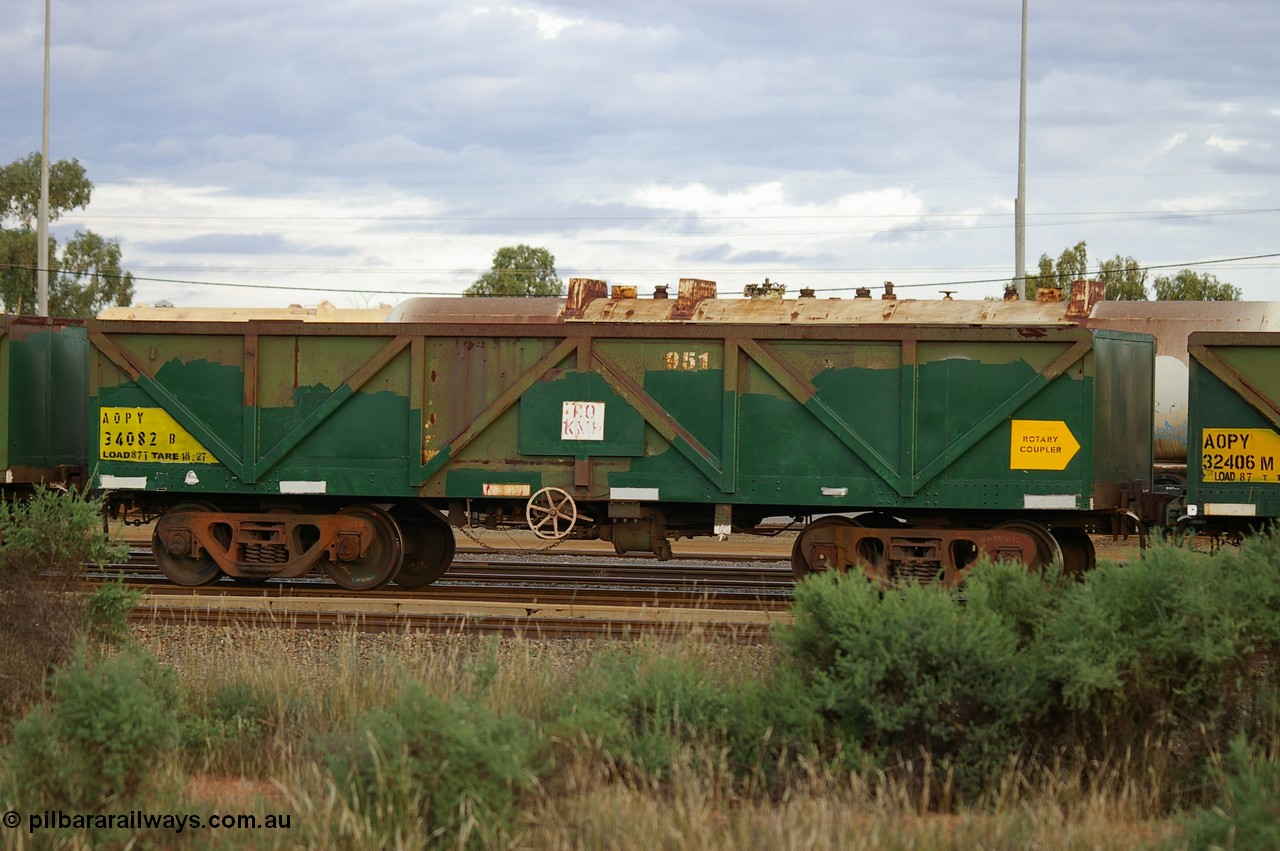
(361, 547)
(891, 552)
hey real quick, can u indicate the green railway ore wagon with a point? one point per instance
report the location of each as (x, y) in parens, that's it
(269, 448)
(43, 386)
(1234, 431)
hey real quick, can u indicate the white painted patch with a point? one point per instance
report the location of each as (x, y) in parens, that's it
(133, 483)
(650, 494)
(303, 487)
(1049, 500)
(1193, 510)
(723, 530)
(192, 478)
(8, 477)
(835, 491)
(1231, 509)
(582, 421)
(505, 489)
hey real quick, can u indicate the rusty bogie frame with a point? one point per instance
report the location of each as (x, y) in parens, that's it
(274, 545)
(892, 555)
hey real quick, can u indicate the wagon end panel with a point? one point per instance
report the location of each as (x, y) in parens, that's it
(1123, 405)
(1233, 455)
(43, 367)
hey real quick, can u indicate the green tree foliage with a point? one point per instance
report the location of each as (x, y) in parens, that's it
(86, 275)
(519, 270)
(1194, 286)
(1126, 279)
(69, 189)
(1071, 265)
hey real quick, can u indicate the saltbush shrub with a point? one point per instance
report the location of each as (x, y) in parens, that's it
(44, 542)
(913, 671)
(643, 710)
(1175, 647)
(1246, 816)
(54, 531)
(456, 764)
(103, 735)
(224, 731)
(1169, 642)
(106, 612)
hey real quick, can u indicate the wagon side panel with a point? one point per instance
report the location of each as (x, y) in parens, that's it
(252, 408)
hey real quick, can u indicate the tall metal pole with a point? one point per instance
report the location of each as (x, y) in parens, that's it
(1020, 204)
(42, 218)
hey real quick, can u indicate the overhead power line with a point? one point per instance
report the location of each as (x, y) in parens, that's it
(772, 272)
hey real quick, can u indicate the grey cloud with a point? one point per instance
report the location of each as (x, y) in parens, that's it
(234, 244)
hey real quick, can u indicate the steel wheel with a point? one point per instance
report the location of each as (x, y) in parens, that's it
(1078, 554)
(817, 532)
(1047, 549)
(170, 545)
(429, 549)
(381, 560)
(551, 513)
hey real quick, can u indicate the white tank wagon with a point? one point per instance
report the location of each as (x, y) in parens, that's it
(1171, 322)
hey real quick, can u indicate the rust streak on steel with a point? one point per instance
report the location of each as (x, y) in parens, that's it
(251, 369)
(583, 291)
(115, 354)
(693, 292)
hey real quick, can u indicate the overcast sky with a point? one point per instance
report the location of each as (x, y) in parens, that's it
(268, 153)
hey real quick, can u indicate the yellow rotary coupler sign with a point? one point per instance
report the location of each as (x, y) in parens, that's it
(148, 435)
(1041, 445)
(1239, 455)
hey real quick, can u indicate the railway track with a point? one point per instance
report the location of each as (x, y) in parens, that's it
(560, 579)
(722, 593)
(544, 597)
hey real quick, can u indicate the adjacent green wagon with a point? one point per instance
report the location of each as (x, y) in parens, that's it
(42, 400)
(1233, 453)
